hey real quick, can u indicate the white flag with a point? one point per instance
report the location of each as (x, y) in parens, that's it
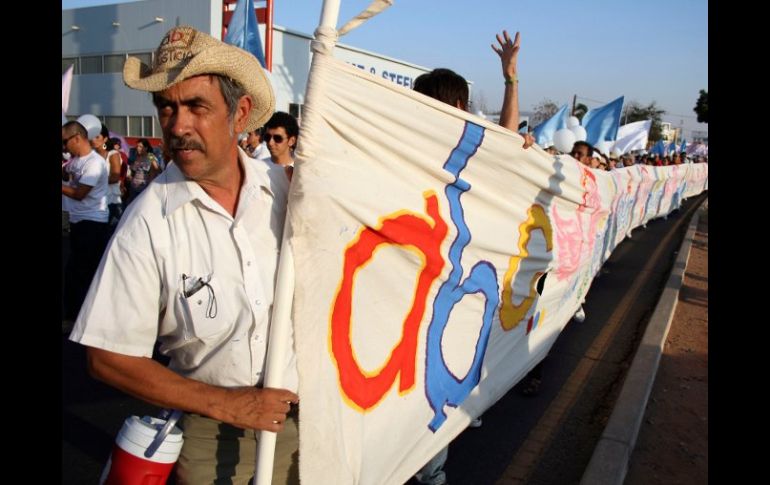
(66, 83)
(632, 136)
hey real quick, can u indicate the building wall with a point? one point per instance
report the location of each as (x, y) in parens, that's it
(102, 92)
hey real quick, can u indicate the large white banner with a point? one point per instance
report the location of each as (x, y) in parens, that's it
(436, 262)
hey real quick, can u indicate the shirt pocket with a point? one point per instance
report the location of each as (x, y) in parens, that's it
(202, 313)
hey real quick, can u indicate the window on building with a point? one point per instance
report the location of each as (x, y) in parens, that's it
(147, 126)
(91, 65)
(116, 124)
(135, 126)
(145, 57)
(66, 62)
(156, 127)
(295, 110)
(114, 62)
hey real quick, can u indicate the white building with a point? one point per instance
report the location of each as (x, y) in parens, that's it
(98, 39)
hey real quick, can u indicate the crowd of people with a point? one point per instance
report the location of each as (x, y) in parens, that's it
(588, 155)
(180, 234)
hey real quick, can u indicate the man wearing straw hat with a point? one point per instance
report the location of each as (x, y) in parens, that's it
(193, 265)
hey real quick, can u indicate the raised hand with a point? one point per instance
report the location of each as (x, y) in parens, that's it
(508, 52)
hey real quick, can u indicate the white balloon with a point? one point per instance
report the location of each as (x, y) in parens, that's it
(573, 121)
(563, 140)
(579, 132)
(92, 125)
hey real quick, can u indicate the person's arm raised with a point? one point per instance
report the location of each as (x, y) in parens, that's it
(508, 52)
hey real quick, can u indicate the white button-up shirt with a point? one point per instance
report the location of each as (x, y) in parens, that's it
(182, 270)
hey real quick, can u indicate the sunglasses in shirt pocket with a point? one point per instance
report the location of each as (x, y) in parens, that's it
(198, 307)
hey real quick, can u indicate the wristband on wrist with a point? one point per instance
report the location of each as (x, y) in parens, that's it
(513, 79)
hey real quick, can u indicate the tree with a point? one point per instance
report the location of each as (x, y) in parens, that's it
(634, 111)
(543, 110)
(702, 107)
(580, 111)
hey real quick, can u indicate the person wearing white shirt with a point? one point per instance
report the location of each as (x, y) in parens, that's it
(193, 265)
(281, 133)
(86, 175)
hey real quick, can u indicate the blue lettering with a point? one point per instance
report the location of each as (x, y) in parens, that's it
(392, 76)
(372, 70)
(400, 80)
(441, 386)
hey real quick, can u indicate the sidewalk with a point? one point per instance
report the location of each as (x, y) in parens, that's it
(672, 446)
(658, 430)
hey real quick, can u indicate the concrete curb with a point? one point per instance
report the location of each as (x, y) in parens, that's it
(609, 462)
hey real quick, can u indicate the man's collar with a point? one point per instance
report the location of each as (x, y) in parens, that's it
(180, 190)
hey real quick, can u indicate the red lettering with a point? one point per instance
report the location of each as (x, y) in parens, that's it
(409, 230)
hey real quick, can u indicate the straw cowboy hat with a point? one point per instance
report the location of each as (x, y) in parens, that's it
(185, 52)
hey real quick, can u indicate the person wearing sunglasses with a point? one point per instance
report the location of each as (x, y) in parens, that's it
(281, 132)
(86, 195)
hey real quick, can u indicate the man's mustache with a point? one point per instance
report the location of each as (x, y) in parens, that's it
(184, 144)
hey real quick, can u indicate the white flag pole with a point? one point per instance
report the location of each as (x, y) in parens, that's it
(330, 14)
(281, 317)
(276, 353)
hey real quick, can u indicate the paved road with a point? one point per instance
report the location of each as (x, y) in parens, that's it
(548, 439)
(545, 439)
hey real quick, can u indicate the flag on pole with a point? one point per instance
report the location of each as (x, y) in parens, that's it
(659, 148)
(683, 146)
(544, 131)
(632, 136)
(66, 85)
(243, 30)
(601, 124)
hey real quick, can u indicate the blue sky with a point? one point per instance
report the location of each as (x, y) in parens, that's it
(651, 50)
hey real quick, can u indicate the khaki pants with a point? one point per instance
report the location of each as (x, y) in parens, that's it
(221, 454)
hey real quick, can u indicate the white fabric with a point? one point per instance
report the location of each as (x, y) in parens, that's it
(173, 229)
(66, 86)
(90, 170)
(113, 190)
(261, 152)
(401, 281)
(632, 136)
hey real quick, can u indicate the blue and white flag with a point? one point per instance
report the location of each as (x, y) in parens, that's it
(602, 123)
(243, 30)
(545, 130)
